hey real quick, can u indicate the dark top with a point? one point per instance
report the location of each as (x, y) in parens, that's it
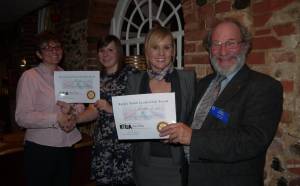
(111, 159)
(232, 152)
(156, 147)
(184, 82)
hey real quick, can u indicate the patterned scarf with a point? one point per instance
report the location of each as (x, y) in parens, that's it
(162, 74)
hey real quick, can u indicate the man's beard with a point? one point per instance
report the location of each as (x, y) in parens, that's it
(239, 62)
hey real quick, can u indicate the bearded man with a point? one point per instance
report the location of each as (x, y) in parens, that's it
(235, 117)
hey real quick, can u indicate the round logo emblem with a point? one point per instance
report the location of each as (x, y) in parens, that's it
(90, 94)
(161, 125)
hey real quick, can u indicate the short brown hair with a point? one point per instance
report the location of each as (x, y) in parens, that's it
(45, 37)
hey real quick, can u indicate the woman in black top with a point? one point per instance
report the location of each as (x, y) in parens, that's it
(157, 163)
(111, 158)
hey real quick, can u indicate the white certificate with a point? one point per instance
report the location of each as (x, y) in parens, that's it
(141, 116)
(77, 86)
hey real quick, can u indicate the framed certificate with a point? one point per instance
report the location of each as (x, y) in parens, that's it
(141, 116)
(77, 86)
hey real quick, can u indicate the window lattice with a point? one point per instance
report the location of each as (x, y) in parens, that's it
(133, 19)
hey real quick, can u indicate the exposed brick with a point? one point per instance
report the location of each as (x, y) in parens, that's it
(266, 42)
(189, 47)
(279, 4)
(269, 6)
(98, 33)
(92, 46)
(260, 7)
(262, 32)
(294, 148)
(276, 146)
(97, 30)
(92, 53)
(202, 24)
(288, 86)
(286, 116)
(195, 35)
(294, 182)
(102, 12)
(79, 11)
(92, 39)
(192, 26)
(196, 59)
(293, 166)
(209, 22)
(256, 58)
(223, 6)
(200, 48)
(293, 161)
(188, 11)
(261, 20)
(101, 18)
(285, 29)
(207, 9)
(190, 68)
(280, 57)
(187, 7)
(279, 132)
(191, 18)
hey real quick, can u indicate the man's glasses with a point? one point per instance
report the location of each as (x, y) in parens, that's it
(230, 44)
(49, 48)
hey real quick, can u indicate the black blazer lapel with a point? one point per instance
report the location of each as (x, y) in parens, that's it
(233, 87)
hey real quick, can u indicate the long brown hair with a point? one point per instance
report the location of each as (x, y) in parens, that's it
(106, 40)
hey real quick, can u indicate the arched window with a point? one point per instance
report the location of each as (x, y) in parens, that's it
(133, 19)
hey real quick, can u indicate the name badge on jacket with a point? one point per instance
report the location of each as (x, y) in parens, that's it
(219, 114)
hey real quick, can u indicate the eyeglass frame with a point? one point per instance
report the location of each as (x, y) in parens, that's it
(216, 45)
(49, 48)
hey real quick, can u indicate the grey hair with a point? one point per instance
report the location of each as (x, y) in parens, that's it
(246, 36)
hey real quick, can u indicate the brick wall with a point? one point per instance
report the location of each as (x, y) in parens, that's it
(276, 36)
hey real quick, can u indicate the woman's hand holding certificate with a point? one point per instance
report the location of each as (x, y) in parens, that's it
(142, 116)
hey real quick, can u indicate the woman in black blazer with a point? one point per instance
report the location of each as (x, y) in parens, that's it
(157, 163)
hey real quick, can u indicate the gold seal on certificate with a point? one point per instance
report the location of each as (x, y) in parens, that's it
(77, 86)
(143, 116)
(90, 94)
(161, 125)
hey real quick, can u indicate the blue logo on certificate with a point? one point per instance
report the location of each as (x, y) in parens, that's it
(219, 114)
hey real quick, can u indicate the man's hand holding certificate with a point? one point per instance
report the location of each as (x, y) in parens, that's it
(77, 86)
(141, 116)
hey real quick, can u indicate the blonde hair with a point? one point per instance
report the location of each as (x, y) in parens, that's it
(155, 35)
